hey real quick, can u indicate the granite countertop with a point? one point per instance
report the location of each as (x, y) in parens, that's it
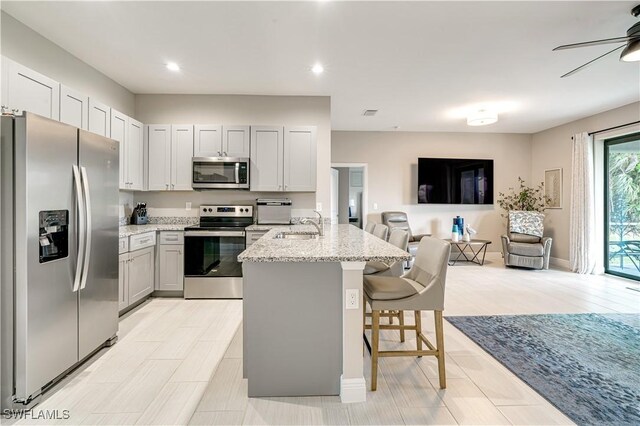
(128, 230)
(341, 243)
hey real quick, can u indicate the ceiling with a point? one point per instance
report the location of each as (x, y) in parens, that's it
(421, 64)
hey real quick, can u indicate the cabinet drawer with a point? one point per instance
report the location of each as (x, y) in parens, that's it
(253, 236)
(136, 242)
(123, 245)
(171, 237)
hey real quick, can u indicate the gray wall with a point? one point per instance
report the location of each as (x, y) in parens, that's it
(30, 49)
(393, 166)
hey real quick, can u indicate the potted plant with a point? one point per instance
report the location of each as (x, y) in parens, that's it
(525, 198)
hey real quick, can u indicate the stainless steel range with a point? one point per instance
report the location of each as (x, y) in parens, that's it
(211, 267)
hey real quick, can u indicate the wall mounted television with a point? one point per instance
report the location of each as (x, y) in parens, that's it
(455, 181)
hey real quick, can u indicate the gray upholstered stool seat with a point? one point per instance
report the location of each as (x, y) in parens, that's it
(388, 288)
(375, 267)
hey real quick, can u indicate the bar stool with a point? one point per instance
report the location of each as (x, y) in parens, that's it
(420, 289)
(369, 227)
(381, 231)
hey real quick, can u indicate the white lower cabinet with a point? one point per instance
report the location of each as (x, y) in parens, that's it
(171, 262)
(123, 281)
(136, 271)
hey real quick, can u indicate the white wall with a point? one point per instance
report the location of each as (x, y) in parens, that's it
(30, 49)
(240, 109)
(552, 148)
(393, 163)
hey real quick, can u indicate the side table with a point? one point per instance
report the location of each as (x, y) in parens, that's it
(466, 251)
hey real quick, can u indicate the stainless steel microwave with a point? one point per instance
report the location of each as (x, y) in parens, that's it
(220, 173)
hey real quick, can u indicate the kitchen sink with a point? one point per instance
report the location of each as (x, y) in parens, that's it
(296, 236)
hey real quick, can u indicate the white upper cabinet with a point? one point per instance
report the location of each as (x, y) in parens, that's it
(74, 108)
(26, 90)
(159, 157)
(266, 171)
(207, 141)
(119, 130)
(236, 141)
(300, 158)
(99, 118)
(135, 155)
(181, 157)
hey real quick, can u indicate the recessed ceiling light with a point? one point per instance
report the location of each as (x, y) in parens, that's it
(172, 66)
(317, 69)
(482, 117)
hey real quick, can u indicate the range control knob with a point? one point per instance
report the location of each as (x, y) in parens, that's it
(210, 209)
(241, 210)
(204, 210)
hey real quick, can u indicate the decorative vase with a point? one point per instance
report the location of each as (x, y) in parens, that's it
(460, 226)
(455, 236)
(466, 237)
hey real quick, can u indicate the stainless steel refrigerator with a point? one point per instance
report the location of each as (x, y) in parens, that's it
(59, 236)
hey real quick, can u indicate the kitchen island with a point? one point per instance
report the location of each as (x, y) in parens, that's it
(300, 336)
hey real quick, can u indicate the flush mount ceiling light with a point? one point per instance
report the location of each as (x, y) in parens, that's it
(317, 69)
(482, 117)
(172, 66)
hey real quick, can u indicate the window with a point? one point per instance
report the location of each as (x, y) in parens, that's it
(622, 206)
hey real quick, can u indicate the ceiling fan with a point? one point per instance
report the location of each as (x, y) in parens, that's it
(630, 53)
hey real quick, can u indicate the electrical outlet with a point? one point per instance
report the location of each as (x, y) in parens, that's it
(375, 206)
(319, 207)
(353, 298)
(187, 206)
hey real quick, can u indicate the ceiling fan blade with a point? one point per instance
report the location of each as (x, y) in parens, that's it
(581, 67)
(596, 42)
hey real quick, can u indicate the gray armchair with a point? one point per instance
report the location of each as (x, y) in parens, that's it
(399, 220)
(524, 250)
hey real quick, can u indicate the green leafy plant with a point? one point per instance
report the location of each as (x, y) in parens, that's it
(524, 198)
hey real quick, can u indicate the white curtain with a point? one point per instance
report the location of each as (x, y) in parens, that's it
(582, 235)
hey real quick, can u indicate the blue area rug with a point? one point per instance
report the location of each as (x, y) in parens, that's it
(587, 365)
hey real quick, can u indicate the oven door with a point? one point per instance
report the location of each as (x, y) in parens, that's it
(213, 254)
(220, 173)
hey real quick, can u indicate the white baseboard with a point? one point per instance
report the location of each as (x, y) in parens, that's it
(561, 263)
(353, 390)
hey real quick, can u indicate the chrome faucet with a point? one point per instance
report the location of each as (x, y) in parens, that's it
(319, 226)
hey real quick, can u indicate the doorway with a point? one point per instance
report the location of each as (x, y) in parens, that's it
(622, 206)
(349, 193)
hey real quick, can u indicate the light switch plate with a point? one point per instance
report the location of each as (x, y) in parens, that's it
(375, 206)
(319, 207)
(187, 206)
(352, 298)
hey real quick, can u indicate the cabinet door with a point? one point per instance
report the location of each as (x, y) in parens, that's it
(207, 141)
(235, 141)
(99, 118)
(119, 126)
(300, 158)
(181, 157)
(266, 158)
(135, 155)
(123, 281)
(171, 260)
(27, 90)
(159, 158)
(141, 274)
(74, 108)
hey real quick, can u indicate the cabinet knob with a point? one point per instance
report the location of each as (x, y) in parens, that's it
(173, 186)
(167, 185)
(224, 153)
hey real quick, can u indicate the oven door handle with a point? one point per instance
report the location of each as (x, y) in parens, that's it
(214, 234)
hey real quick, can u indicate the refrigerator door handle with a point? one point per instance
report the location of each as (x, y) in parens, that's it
(87, 256)
(80, 210)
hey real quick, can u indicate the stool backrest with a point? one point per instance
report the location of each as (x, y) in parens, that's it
(369, 227)
(381, 231)
(399, 238)
(430, 270)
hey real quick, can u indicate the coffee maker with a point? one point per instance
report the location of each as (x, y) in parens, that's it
(139, 215)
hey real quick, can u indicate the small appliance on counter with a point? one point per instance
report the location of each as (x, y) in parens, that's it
(139, 215)
(273, 211)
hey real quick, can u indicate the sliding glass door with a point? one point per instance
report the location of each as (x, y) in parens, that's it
(622, 208)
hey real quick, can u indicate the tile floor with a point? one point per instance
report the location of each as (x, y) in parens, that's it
(173, 363)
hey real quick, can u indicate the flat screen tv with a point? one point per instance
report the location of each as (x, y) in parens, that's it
(455, 181)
